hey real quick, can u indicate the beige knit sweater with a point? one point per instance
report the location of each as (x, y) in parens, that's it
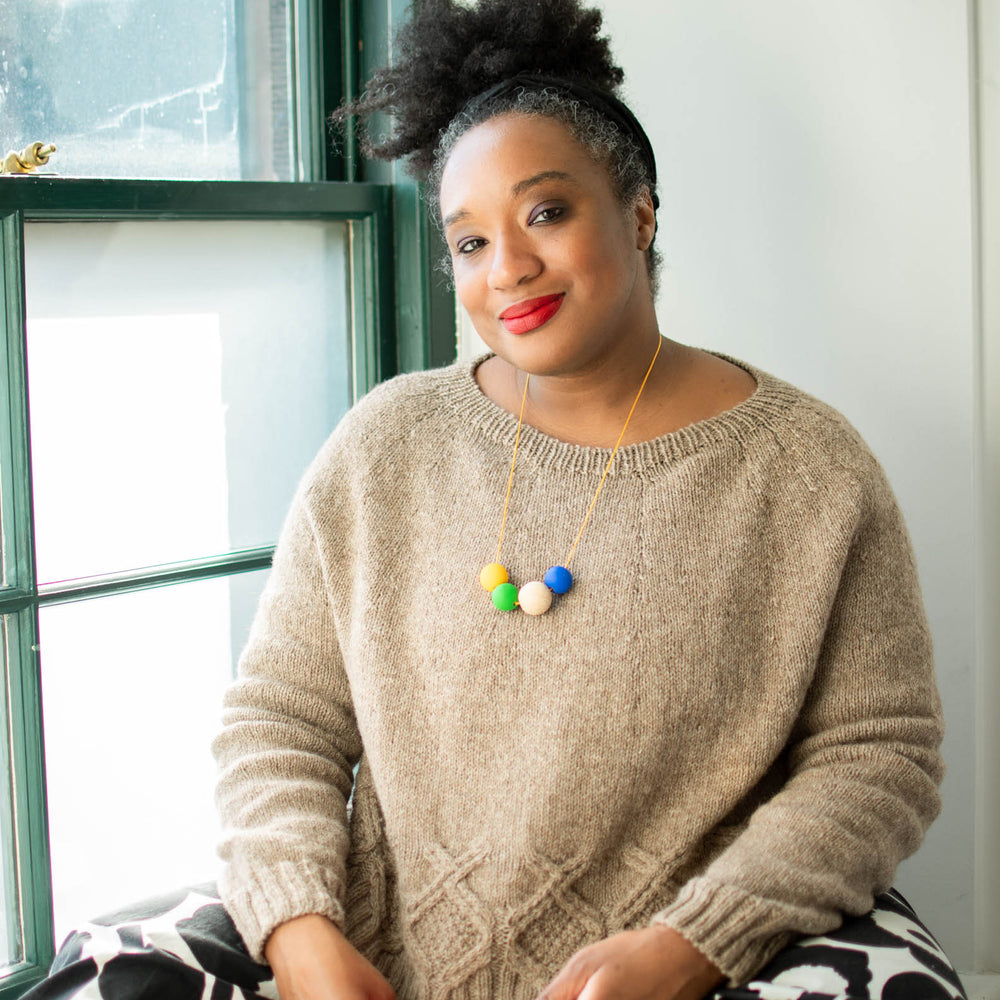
(729, 724)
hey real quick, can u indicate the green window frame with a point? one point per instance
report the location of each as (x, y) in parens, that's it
(403, 319)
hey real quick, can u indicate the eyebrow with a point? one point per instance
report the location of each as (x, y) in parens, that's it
(546, 175)
(518, 189)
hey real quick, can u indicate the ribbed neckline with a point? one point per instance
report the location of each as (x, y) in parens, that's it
(770, 403)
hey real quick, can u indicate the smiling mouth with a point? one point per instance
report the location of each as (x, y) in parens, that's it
(532, 313)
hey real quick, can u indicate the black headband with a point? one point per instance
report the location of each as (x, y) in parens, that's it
(600, 100)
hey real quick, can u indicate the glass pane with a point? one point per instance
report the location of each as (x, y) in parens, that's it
(6, 567)
(10, 924)
(150, 88)
(8, 575)
(132, 690)
(182, 376)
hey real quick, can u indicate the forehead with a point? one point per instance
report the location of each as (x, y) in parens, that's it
(494, 157)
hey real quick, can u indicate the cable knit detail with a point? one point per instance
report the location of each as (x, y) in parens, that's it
(729, 724)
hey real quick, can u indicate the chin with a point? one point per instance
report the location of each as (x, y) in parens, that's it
(552, 349)
(548, 356)
(535, 359)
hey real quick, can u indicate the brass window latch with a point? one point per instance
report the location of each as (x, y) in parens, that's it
(35, 154)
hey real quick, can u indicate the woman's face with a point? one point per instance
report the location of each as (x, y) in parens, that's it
(547, 262)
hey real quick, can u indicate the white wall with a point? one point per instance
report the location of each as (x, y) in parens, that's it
(986, 93)
(816, 179)
(814, 161)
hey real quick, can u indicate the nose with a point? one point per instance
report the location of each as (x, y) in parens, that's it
(514, 261)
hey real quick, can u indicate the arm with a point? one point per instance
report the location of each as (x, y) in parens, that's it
(287, 751)
(863, 762)
(312, 960)
(863, 769)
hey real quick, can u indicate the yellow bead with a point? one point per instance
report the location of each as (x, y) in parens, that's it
(492, 576)
(535, 598)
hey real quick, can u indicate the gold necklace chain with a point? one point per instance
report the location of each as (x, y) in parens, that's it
(535, 598)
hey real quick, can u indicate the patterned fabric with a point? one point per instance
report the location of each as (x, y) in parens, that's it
(185, 947)
(886, 955)
(177, 947)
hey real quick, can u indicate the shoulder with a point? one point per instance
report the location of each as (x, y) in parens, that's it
(396, 426)
(802, 448)
(392, 409)
(811, 433)
(395, 411)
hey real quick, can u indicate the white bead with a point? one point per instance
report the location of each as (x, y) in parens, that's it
(535, 598)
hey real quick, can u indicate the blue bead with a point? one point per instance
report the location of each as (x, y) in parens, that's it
(558, 579)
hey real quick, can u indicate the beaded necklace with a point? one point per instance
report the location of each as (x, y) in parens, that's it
(535, 598)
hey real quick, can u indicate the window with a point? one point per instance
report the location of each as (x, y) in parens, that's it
(193, 290)
(140, 88)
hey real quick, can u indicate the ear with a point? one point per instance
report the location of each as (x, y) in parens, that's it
(645, 217)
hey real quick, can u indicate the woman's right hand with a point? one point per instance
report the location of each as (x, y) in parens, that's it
(312, 960)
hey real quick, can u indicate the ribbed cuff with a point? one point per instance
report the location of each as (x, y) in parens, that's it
(261, 900)
(738, 932)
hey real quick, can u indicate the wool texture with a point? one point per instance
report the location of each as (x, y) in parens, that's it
(729, 725)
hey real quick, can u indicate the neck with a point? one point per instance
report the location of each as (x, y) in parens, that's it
(589, 406)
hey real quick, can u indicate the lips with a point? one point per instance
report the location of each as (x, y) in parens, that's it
(530, 314)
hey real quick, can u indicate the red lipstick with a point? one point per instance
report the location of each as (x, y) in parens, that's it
(531, 313)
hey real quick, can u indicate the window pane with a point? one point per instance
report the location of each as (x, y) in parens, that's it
(150, 88)
(6, 556)
(10, 924)
(182, 376)
(132, 691)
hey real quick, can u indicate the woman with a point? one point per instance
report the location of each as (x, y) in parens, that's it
(693, 719)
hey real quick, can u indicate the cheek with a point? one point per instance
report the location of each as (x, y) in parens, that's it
(470, 294)
(466, 289)
(606, 265)
(602, 253)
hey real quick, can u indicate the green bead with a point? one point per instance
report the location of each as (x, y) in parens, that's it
(505, 596)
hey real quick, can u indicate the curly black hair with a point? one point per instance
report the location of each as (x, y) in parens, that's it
(449, 52)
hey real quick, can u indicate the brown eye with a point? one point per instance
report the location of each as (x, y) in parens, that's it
(471, 245)
(547, 213)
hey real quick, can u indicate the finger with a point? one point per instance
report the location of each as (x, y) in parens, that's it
(384, 992)
(564, 988)
(381, 991)
(601, 986)
(571, 979)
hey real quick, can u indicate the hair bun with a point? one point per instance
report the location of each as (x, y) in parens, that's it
(447, 53)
